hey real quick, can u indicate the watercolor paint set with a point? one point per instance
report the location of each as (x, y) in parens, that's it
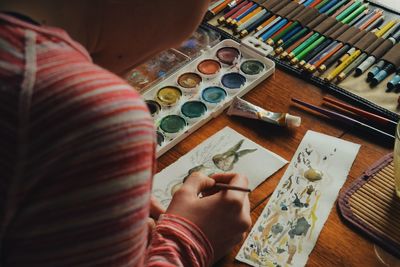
(166, 62)
(202, 89)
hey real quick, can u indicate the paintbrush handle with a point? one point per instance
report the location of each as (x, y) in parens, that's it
(230, 187)
(361, 112)
(343, 118)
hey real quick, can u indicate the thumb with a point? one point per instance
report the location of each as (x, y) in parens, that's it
(198, 182)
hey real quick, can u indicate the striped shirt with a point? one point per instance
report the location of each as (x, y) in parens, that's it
(77, 158)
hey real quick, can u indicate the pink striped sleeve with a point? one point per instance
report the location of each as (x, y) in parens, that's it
(77, 161)
(178, 242)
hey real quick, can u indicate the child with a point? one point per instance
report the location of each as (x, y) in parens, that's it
(77, 143)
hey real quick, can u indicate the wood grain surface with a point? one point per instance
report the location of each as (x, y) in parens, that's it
(338, 244)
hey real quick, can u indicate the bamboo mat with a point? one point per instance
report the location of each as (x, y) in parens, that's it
(371, 205)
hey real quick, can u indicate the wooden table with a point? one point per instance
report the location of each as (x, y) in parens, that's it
(338, 244)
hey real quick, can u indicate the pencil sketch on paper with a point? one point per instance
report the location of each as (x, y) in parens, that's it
(288, 227)
(226, 151)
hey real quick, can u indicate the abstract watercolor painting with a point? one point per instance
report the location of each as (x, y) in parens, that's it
(287, 229)
(225, 151)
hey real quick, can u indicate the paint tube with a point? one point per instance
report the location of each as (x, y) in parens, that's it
(242, 108)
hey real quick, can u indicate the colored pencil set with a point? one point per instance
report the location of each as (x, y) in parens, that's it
(332, 39)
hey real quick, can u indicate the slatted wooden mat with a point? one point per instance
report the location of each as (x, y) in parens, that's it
(371, 205)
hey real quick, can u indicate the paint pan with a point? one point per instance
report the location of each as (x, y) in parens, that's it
(169, 96)
(160, 138)
(233, 81)
(171, 125)
(251, 68)
(189, 82)
(153, 106)
(213, 95)
(228, 55)
(193, 110)
(209, 68)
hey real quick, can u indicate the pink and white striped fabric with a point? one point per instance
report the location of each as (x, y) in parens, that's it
(77, 153)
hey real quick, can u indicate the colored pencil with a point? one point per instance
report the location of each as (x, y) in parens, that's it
(215, 4)
(254, 25)
(316, 2)
(272, 30)
(303, 45)
(333, 58)
(319, 64)
(266, 23)
(242, 13)
(296, 44)
(271, 41)
(315, 51)
(255, 17)
(349, 69)
(359, 18)
(220, 7)
(308, 2)
(341, 9)
(290, 34)
(342, 66)
(226, 16)
(322, 4)
(345, 119)
(328, 5)
(238, 12)
(267, 27)
(349, 10)
(292, 40)
(322, 56)
(333, 9)
(249, 15)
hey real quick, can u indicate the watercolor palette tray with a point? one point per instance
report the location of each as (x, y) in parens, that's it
(202, 89)
(166, 62)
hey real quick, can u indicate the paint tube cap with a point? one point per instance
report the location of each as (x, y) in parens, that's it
(292, 121)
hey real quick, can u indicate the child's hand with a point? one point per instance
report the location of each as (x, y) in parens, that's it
(224, 216)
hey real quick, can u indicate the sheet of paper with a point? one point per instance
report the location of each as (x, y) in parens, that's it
(287, 229)
(393, 5)
(225, 151)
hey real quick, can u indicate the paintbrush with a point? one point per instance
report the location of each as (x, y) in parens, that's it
(340, 117)
(362, 113)
(222, 186)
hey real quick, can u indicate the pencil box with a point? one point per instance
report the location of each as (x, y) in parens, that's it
(353, 89)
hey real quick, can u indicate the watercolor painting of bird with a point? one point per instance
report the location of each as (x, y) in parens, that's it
(226, 161)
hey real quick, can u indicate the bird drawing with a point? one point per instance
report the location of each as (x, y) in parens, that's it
(226, 161)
